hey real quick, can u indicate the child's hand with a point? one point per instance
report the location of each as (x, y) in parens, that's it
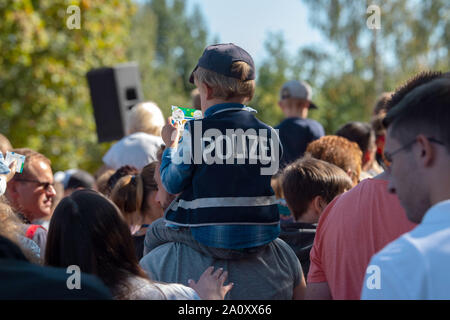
(12, 168)
(170, 133)
(210, 285)
(12, 171)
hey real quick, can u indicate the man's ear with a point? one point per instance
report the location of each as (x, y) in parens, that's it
(11, 190)
(427, 153)
(367, 156)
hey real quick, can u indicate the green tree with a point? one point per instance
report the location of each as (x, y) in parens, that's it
(359, 63)
(167, 43)
(413, 37)
(277, 68)
(45, 103)
(271, 75)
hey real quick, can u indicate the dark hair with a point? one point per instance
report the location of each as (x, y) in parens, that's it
(421, 106)
(160, 152)
(88, 230)
(359, 132)
(380, 104)
(307, 178)
(377, 123)
(102, 182)
(80, 179)
(416, 81)
(131, 191)
(121, 172)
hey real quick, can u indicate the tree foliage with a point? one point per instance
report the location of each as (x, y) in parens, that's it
(359, 63)
(45, 103)
(167, 46)
(44, 97)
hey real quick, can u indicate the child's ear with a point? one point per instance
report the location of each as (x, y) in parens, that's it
(306, 104)
(284, 104)
(209, 92)
(319, 204)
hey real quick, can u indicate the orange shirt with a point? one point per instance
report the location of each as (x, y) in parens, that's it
(352, 228)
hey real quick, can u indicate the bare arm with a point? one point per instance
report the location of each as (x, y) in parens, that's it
(299, 291)
(318, 291)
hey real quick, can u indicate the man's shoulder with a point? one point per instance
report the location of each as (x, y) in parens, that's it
(282, 251)
(402, 270)
(171, 250)
(141, 139)
(167, 252)
(174, 262)
(367, 188)
(161, 250)
(137, 140)
(401, 253)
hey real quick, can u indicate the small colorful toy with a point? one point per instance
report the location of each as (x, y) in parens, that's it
(20, 160)
(182, 115)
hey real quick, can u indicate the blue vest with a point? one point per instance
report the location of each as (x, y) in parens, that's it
(228, 193)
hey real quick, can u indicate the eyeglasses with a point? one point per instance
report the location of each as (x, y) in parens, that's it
(44, 185)
(387, 156)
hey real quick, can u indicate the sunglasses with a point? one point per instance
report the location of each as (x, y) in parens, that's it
(44, 185)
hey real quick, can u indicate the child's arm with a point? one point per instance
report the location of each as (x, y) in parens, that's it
(176, 165)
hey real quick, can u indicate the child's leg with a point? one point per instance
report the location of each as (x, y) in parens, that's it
(158, 233)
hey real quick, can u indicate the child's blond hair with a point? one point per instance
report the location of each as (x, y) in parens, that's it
(227, 87)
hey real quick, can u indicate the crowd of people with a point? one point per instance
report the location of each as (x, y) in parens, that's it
(337, 219)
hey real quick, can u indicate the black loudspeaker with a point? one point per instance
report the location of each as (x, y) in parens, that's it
(114, 91)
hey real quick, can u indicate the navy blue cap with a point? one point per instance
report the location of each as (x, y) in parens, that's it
(220, 57)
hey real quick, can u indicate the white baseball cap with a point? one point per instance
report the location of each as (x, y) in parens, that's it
(297, 89)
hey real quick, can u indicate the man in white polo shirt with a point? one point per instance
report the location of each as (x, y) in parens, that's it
(416, 265)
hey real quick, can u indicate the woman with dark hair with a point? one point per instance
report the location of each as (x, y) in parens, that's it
(135, 196)
(363, 134)
(89, 231)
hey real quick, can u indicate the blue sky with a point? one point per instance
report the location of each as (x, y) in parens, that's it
(247, 23)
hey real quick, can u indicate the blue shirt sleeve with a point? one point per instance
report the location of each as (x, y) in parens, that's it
(176, 166)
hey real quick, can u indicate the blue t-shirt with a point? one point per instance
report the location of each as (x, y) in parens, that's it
(295, 135)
